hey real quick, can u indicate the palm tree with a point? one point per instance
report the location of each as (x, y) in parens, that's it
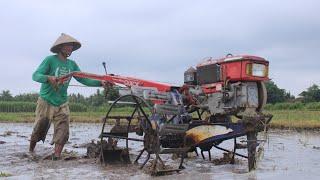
(6, 96)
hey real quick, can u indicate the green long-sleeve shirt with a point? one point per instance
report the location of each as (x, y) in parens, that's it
(53, 66)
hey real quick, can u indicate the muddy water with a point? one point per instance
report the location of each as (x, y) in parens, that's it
(287, 155)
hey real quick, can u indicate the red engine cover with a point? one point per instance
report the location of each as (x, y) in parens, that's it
(232, 69)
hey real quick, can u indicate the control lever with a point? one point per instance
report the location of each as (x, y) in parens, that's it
(105, 68)
(107, 87)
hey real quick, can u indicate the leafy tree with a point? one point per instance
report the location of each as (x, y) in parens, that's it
(276, 95)
(27, 97)
(77, 98)
(96, 99)
(312, 94)
(6, 96)
(113, 94)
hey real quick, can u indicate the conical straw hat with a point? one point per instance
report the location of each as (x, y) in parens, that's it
(63, 39)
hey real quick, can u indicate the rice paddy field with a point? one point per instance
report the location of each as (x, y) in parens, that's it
(292, 146)
(295, 119)
(289, 154)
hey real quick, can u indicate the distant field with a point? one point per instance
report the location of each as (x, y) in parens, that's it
(90, 116)
(294, 119)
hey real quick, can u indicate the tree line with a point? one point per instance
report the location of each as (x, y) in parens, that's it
(96, 99)
(278, 95)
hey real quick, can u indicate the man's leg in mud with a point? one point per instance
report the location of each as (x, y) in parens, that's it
(41, 125)
(61, 129)
(58, 149)
(32, 146)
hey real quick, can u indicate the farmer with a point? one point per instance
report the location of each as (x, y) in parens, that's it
(52, 105)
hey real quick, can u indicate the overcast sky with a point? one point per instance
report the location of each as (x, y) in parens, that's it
(159, 40)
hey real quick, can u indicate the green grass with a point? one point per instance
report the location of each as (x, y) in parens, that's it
(17, 117)
(3, 174)
(90, 116)
(294, 119)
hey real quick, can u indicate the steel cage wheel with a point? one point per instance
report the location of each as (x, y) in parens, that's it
(138, 108)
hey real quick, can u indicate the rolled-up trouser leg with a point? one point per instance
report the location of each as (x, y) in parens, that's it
(61, 125)
(42, 121)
